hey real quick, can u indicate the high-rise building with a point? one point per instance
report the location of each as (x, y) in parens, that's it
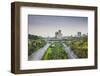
(78, 34)
(58, 34)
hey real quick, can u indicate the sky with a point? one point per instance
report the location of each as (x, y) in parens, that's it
(46, 26)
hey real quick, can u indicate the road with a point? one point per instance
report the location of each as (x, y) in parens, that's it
(39, 53)
(70, 53)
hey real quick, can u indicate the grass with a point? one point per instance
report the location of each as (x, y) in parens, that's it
(55, 51)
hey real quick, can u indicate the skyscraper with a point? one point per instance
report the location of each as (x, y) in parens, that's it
(78, 34)
(58, 34)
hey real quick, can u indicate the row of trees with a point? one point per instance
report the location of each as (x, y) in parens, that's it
(79, 46)
(35, 43)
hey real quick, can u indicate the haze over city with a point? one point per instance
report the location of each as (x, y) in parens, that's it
(47, 25)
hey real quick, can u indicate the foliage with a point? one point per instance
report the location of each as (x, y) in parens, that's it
(34, 37)
(79, 46)
(55, 51)
(35, 43)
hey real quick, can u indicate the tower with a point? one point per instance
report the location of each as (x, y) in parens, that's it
(79, 34)
(58, 34)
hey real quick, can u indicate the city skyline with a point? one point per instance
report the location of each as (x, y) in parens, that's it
(47, 25)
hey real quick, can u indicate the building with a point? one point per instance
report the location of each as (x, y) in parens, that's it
(85, 35)
(58, 34)
(78, 34)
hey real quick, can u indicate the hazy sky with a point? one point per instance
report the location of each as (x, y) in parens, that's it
(47, 25)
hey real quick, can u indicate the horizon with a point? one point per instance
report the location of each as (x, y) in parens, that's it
(46, 26)
(62, 35)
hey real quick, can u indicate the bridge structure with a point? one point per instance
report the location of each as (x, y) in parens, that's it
(51, 40)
